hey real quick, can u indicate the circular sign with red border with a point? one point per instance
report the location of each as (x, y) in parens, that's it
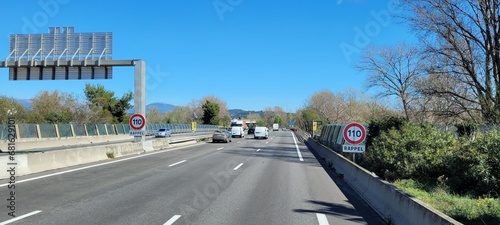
(354, 133)
(137, 121)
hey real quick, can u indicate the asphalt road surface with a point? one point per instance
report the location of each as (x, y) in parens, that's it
(247, 181)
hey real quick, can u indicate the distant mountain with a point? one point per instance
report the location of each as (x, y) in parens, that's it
(26, 103)
(160, 106)
(237, 113)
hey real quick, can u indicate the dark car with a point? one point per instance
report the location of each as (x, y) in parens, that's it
(221, 136)
(251, 130)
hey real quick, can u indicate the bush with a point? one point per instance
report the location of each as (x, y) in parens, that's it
(476, 167)
(467, 163)
(110, 155)
(377, 127)
(466, 129)
(412, 151)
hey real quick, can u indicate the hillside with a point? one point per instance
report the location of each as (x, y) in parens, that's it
(240, 113)
(160, 106)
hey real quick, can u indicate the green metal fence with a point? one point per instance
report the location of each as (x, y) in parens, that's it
(40, 131)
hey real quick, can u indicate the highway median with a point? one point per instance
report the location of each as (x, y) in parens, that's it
(39, 160)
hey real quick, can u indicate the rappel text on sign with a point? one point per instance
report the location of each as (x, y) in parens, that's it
(353, 148)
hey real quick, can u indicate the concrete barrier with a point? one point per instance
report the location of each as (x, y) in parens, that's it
(44, 161)
(30, 144)
(391, 203)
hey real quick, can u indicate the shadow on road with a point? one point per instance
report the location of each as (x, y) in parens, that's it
(337, 210)
(360, 205)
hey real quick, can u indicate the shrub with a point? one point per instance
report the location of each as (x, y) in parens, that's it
(412, 151)
(466, 129)
(377, 127)
(111, 155)
(476, 167)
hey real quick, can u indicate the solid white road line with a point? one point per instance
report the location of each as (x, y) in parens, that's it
(20, 217)
(177, 163)
(220, 148)
(297, 147)
(239, 142)
(237, 167)
(172, 220)
(88, 167)
(322, 219)
(267, 142)
(258, 149)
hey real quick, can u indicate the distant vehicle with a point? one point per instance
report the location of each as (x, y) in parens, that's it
(239, 123)
(251, 130)
(261, 132)
(237, 132)
(221, 136)
(276, 127)
(163, 132)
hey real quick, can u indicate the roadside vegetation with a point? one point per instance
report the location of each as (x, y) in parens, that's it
(455, 172)
(449, 78)
(466, 209)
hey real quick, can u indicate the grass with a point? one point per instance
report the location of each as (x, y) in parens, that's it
(467, 210)
(111, 155)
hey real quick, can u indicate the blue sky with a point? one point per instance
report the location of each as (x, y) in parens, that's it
(250, 53)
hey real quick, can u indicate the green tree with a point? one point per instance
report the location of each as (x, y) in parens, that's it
(105, 101)
(210, 113)
(261, 123)
(52, 107)
(9, 106)
(278, 120)
(181, 114)
(307, 116)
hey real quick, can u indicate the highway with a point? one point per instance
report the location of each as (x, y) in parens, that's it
(247, 181)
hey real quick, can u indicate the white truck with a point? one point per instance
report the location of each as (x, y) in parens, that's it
(276, 127)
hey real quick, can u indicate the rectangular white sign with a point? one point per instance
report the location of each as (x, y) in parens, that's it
(353, 148)
(137, 133)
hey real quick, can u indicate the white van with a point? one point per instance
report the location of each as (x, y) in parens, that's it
(261, 132)
(237, 132)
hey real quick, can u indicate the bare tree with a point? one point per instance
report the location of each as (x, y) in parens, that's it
(154, 116)
(341, 107)
(329, 105)
(464, 36)
(393, 70)
(437, 105)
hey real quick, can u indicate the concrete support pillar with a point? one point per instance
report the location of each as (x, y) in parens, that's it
(140, 93)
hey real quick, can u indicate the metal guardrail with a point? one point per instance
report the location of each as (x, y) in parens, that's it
(190, 138)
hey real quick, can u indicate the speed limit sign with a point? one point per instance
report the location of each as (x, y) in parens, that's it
(354, 133)
(137, 122)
